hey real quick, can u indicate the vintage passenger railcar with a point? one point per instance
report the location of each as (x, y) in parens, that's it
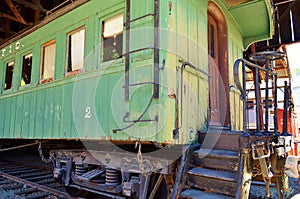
(136, 82)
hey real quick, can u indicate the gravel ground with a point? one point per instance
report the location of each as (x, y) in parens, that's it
(6, 195)
(258, 192)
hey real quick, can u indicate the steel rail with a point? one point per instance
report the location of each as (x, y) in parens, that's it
(18, 147)
(35, 185)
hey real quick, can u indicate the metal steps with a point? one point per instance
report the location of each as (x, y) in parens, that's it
(213, 174)
(213, 180)
(217, 159)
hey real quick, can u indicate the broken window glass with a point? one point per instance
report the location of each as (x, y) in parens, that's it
(112, 38)
(26, 69)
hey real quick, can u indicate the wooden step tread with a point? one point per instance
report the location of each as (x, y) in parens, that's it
(210, 173)
(216, 159)
(217, 153)
(220, 140)
(196, 194)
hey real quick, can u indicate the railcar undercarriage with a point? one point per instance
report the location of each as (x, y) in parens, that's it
(118, 173)
(121, 174)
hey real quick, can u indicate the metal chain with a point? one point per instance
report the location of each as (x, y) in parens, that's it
(42, 155)
(140, 158)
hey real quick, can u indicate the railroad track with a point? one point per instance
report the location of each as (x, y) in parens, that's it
(28, 182)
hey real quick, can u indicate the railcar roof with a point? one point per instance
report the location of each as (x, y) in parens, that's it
(254, 19)
(17, 15)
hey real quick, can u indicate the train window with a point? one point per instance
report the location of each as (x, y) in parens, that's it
(9, 75)
(212, 42)
(75, 55)
(48, 62)
(112, 38)
(26, 69)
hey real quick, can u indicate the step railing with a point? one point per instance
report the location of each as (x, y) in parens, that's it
(267, 58)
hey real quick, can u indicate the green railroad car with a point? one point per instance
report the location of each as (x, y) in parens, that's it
(70, 78)
(150, 73)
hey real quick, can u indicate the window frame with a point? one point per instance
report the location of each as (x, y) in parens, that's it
(23, 55)
(5, 73)
(68, 34)
(42, 68)
(101, 36)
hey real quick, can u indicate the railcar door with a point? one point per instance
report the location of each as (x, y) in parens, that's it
(218, 66)
(213, 63)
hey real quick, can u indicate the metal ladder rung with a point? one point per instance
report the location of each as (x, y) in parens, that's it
(138, 18)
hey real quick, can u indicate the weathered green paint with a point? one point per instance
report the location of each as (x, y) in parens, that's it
(248, 14)
(32, 116)
(91, 105)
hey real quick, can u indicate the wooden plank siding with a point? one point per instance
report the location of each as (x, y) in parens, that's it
(91, 104)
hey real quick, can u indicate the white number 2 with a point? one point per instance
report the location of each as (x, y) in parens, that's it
(88, 113)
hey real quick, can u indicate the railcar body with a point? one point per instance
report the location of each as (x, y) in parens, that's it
(47, 101)
(154, 72)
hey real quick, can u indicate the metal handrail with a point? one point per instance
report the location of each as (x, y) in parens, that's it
(242, 89)
(248, 63)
